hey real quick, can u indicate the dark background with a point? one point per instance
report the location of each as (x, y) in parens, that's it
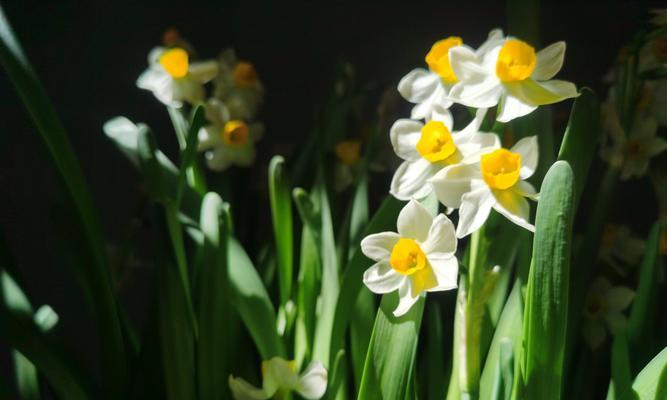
(89, 55)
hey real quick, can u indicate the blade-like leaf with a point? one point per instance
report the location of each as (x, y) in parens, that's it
(281, 213)
(651, 382)
(621, 378)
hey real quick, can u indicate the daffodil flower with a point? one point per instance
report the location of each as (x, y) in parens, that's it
(348, 153)
(419, 258)
(497, 181)
(632, 153)
(429, 89)
(280, 375)
(604, 307)
(428, 148)
(173, 79)
(511, 74)
(238, 86)
(227, 141)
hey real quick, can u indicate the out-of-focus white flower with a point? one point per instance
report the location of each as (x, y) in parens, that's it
(659, 16)
(632, 153)
(227, 141)
(419, 258)
(604, 307)
(348, 153)
(429, 89)
(653, 54)
(619, 245)
(427, 148)
(238, 86)
(280, 375)
(511, 75)
(173, 79)
(654, 100)
(497, 181)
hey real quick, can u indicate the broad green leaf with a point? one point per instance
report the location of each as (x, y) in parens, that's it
(213, 308)
(281, 213)
(337, 376)
(581, 137)
(505, 373)
(361, 327)
(651, 383)
(545, 317)
(97, 277)
(435, 352)
(391, 352)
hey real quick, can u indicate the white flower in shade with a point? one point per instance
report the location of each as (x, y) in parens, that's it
(428, 148)
(619, 247)
(238, 86)
(173, 79)
(653, 54)
(659, 16)
(604, 308)
(280, 376)
(496, 181)
(227, 141)
(419, 258)
(511, 74)
(429, 89)
(348, 153)
(631, 153)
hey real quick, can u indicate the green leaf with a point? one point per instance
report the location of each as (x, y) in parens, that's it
(651, 383)
(213, 306)
(97, 277)
(308, 290)
(545, 318)
(391, 352)
(281, 213)
(435, 372)
(581, 137)
(189, 154)
(361, 327)
(621, 377)
(185, 137)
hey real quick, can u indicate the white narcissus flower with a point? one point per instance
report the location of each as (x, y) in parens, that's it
(620, 248)
(511, 74)
(173, 79)
(427, 148)
(429, 89)
(496, 181)
(653, 54)
(419, 258)
(632, 153)
(238, 86)
(280, 375)
(227, 141)
(604, 307)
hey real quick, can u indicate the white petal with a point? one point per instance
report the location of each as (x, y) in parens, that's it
(208, 138)
(476, 145)
(446, 270)
(216, 112)
(418, 85)
(218, 159)
(549, 61)
(466, 65)
(313, 381)
(405, 299)
(414, 221)
(381, 278)
(441, 113)
(600, 286)
(594, 333)
(154, 55)
(619, 298)
(378, 246)
(525, 189)
(242, 390)
(495, 38)
(512, 107)
(475, 208)
(123, 132)
(411, 179)
(441, 236)
(472, 127)
(529, 151)
(404, 135)
(478, 94)
(514, 207)
(161, 84)
(434, 106)
(615, 320)
(203, 72)
(452, 182)
(188, 89)
(535, 93)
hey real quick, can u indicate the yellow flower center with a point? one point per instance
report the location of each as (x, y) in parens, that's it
(175, 62)
(407, 257)
(245, 74)
(659, 47)
(438, 58)
(435, 143)
(500, 168)
(265, 366)
(349, 151)
(516, 61)
(235, 133)
(595, 306)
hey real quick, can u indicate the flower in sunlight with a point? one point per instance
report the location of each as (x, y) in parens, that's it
(603, 310)
(509, 74)
(279, 377)
(238, 86)
(419, 258)
(427, 148)
(227, 141)
(173, 78)
(497, 181)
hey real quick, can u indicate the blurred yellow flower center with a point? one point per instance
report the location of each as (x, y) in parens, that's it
(438, 58)
(500, 168)
(245, 74)
(348, 151)
(435, 143)
(595, 306)
(265, 366)
(175, 62)
(235, 133)
(407, 257)
(645, 100)
(516, 61)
